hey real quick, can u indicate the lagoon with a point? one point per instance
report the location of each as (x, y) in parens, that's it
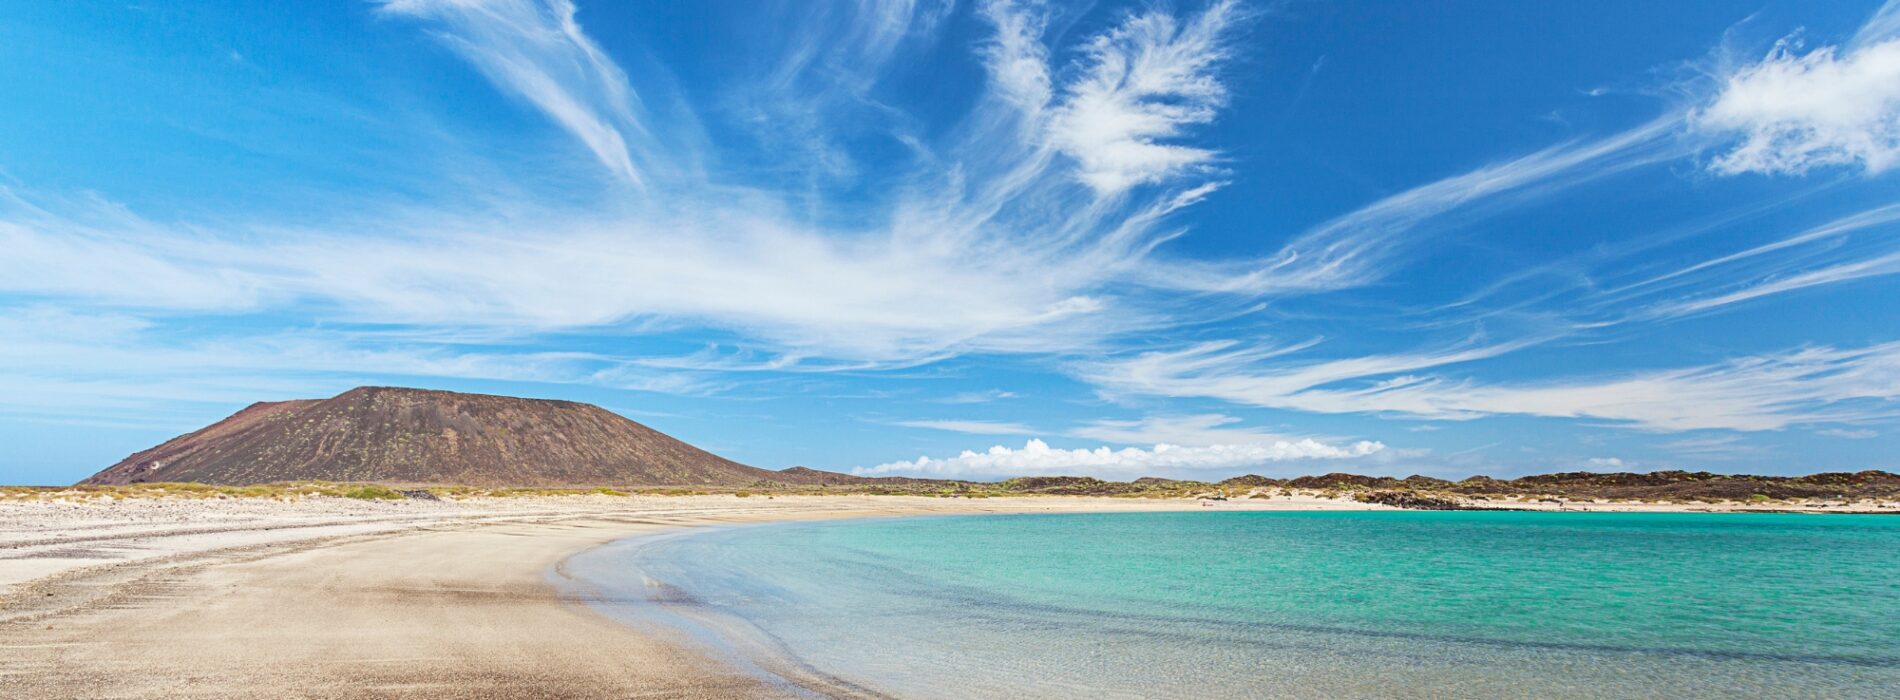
(1285, 604)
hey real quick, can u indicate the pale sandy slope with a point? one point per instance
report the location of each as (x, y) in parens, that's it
(336, 599)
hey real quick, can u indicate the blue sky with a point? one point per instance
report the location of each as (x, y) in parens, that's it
(972, 239)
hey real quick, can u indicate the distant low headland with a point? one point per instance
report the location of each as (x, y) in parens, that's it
(387, 442)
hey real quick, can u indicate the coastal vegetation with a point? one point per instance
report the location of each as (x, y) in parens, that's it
(1834, 489)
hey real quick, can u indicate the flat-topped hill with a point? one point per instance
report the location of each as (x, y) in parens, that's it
(418, 436)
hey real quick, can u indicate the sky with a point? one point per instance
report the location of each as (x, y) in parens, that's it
(972, 238)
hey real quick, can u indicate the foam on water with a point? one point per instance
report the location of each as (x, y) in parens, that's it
(1359, 604)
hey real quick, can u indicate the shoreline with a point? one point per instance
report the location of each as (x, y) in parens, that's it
(728, 640)
(435, 600)
(337, 598)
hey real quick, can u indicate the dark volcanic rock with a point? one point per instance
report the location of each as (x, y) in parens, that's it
(1682, 485)
(415, 436)
(1864, 479)
(1411, 499)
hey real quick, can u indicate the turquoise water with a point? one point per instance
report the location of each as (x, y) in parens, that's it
(1369, 604)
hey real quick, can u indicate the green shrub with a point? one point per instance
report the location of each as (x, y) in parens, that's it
(372, 492)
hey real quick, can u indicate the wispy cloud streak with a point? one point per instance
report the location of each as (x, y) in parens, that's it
(1814, 385)
(1191, 430)
(1359, 247)
(1848, 248)
(536, 50)
(973, 427)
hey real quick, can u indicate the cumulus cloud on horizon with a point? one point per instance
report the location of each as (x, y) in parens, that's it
(1037, 458)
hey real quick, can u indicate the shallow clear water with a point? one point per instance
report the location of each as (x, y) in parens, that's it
(1368, 604)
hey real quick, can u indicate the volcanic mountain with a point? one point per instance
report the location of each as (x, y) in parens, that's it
(417, 436)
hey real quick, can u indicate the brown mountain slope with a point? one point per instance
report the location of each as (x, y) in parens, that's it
(420, 436)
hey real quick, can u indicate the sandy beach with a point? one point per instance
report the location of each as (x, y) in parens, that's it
(336, 598)
(331, 597)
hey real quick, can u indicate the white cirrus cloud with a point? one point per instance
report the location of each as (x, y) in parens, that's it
(1016, 57)
(1192, 430)
(1038, 458)
(1714, 448)
(1843, 249)
(1767, 392)
(794, 288)
(973, 427)
(1832, 106)
(59, 364)
(970, 397)
(1883, 25)
(1849, 433)
(539, 53)
(1360, 246)
(1834, 274)
(1143, 83)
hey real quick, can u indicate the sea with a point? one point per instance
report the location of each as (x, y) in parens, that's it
(1383, 604)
